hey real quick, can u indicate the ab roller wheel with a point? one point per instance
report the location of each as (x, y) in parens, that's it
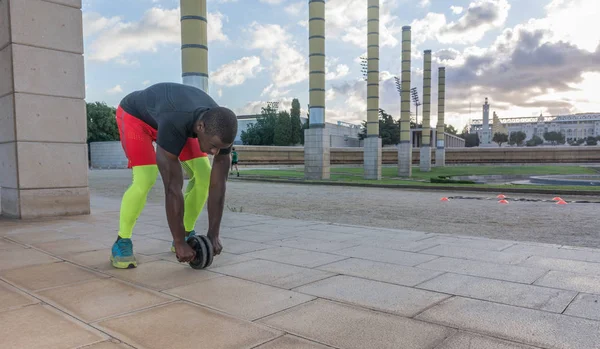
(204, 251)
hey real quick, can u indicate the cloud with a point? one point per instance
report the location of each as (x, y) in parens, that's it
(481, 17)
(457, 10)
(115, 90)
(288, 66)
(237, 72)
(272, 2)
(115, 39)
(296, 8)
(424, 3)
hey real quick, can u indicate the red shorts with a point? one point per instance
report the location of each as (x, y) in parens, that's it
(137, 139)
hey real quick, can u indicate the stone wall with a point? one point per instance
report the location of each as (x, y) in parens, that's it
(110, 155)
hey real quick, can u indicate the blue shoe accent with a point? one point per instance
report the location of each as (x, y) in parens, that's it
(190, 234)
(122, 256)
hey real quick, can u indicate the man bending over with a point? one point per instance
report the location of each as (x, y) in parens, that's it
(186, 124)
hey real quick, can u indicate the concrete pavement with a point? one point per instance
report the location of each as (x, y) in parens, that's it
(291, 284)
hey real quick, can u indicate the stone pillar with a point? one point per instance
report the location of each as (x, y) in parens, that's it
(425, 157)
(372, 147)
(316, 137)
(405, 146)
(440, 152)
(43, 129)
(194, 43)
(486, 139)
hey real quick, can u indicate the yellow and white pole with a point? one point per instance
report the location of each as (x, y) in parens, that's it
(372, 145)
(440, 151)
(425, 157)
(194, 43)
(405, 146)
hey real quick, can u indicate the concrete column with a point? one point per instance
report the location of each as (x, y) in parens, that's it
(316, 137)
(486, 139)
(372, 148)
(43, 129)
(440, 153)
(405, 146)
(425, 157)
(194, 43)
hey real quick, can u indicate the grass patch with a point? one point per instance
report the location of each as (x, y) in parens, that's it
(440, 176)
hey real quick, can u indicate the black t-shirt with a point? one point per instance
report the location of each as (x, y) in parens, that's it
(171, 109)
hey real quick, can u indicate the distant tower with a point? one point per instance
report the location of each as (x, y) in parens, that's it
(485, 133)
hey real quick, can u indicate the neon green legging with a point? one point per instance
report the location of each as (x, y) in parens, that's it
(144, 177)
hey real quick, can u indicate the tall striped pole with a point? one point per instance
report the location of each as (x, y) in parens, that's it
(440, 151)
(405, 147)
(372, 146)
(425, 157)
(316, 137)
(194, 43)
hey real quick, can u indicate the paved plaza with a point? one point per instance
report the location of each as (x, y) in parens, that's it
(290, 284)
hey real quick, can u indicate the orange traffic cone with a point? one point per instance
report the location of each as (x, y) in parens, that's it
(504, 202)
(501, 196)
(561, 202)
(556, 199)
(444, 199)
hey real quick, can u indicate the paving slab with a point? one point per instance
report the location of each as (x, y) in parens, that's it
(503, 257)
(401, 300)
(386, 272)
(580, 267)
(254, 236)
(571, 281)
(42, 327)
(239, 246)
(349, 327)
(556, 252)
(94, 300)
(272, 273)
(99, 259)
(110, 344)
(37, 236)
(313, 244)
(150, 246)
(186, 326)
(385, 255)
(6, 244)
(482, 244)
(18, 258)
(42, 276)
(292, 342)
(528, 296)
(506, 272)
(241, 298)
(528, 326)
(11, 297)
(294, 256)
(466, 340)
(408, 245)
(585, 306)
(68, 246)
(161, 275)
(222, 259)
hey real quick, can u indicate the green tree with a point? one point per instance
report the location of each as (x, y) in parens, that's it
(283, 129)
(534, 141)
(450, 129)
(517, 138)
(263, 131)
(297, 129)
(389, 129)
(101, 123)
(500, 138)
(554, 137)
(471, 140)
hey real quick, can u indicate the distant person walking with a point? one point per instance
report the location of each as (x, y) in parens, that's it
(234, 161)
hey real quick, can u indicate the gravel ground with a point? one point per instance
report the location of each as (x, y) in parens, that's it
(476, 214)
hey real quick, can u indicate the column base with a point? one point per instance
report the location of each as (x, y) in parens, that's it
(39, 203)
(372, 158)
(316, 153)
(425, 159)
(405, 159)
(440, 157)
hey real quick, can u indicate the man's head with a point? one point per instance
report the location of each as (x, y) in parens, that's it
(216, 130)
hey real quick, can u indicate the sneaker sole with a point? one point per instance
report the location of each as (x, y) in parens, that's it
(123, 265)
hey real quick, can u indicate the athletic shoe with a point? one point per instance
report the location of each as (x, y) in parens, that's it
(122, 254)
(190, 234)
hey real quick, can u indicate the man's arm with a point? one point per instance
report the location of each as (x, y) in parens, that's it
(216, 196)
(172, 176)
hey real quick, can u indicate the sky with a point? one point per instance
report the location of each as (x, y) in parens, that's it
(528, 57)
